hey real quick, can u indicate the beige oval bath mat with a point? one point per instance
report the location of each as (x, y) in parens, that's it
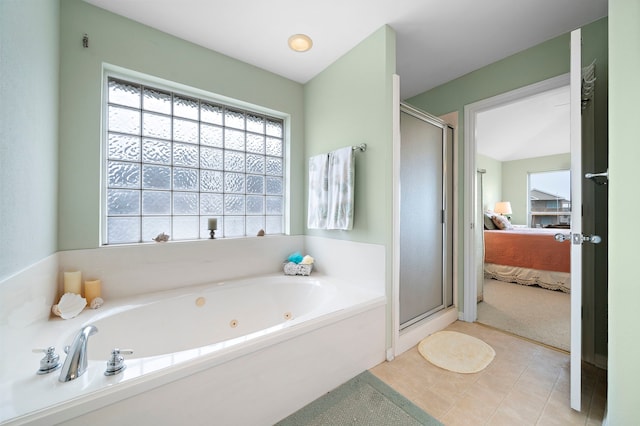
(457, 352)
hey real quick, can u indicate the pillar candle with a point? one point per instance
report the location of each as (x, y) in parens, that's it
(73, 282)
(92, 289)
(213, 223)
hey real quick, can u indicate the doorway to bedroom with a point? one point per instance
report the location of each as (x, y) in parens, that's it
(522, 158)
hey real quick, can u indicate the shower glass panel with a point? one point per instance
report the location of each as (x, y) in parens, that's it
(425, 252)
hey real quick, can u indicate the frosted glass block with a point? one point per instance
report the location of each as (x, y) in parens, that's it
(255, 163)
(152, 226)
(157, 101)
(185, 179)
(274, 128)
(185, 130)
(211, 113)
(274, 147)
(185, 107)
(156, 151)
(234, 161)
(123, 147)
(211, 158)
(234, 119)
(275, 205)
(156, 126)
(185, 155)
(234, 226)
(255, 143)
(124, 120)
(233, 204)
(274, 166)
(156, 202)
(234, 182)
(254, 224)
(274, 185)
(121, 230)
(274, 225)
(211, 204)
(123, 202)
(211, 135)
(234, 139)
(156, 177)
(185, 203)
(185, 228)
(255, 204)
(122, 93)
(255, 184)
(123, 175)
(211, 181)
(255, 123)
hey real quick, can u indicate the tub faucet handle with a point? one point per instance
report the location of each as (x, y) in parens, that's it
(50, 362)
(116, 364)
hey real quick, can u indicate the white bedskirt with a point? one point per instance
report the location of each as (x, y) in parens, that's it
(551, 280)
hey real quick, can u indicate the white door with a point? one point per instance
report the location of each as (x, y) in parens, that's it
(576, 217)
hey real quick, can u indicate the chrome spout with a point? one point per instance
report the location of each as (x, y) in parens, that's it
(76, 362)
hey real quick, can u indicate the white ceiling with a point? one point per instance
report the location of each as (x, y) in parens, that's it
(531, 127)
(437, 41)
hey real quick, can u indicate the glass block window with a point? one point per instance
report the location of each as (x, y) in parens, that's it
(173, 161)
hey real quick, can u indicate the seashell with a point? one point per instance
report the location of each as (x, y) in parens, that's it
(307, 260)
(55, 310)
(96, 303)
(261, 233)
(70, 305)
(161, 238)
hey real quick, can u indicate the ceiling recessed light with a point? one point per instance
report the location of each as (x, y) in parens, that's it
(300, 42)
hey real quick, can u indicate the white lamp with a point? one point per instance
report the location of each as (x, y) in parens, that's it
(503, 208)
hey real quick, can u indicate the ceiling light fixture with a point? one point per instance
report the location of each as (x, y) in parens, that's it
(300, 42)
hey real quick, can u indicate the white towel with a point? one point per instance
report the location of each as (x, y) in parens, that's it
(341, 175)
(317, 207)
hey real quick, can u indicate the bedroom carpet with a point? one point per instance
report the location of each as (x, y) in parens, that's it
(535, 313)
(457, 352)
(364, 400)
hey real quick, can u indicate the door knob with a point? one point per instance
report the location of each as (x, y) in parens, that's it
(580, 238)
(562, 237)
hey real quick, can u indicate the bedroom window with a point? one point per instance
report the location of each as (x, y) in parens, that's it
(172, 161)
(550, 199)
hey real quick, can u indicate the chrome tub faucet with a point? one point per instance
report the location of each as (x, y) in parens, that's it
(76, 362)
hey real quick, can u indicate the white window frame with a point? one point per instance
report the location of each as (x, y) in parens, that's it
(111, 71)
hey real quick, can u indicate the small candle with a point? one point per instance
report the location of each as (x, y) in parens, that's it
(73, 282)
(213, 223)
(92, 290)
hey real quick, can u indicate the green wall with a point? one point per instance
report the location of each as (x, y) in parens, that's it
(624, 151)
(515, 180)
(491, 181)
(349, 103)
(29, 32)
(119, 41)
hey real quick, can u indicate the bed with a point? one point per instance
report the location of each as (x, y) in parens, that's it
(528, 256)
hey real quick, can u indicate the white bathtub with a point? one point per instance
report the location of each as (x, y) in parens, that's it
(238, 352)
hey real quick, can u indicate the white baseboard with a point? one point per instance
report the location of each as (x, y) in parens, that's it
(413, 335)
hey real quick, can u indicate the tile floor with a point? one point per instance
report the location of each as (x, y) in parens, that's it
(525, 384)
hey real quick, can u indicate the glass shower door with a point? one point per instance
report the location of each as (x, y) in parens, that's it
(425, 248)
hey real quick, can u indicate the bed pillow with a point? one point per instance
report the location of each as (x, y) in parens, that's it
(488, 222)
(501, 222)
